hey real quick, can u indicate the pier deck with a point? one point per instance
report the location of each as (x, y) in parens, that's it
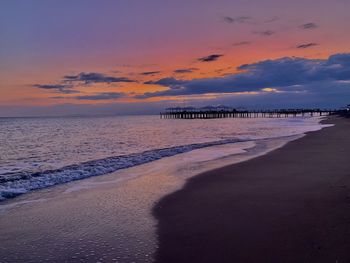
(213, 114)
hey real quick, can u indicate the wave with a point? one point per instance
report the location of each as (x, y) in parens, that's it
(12, 185)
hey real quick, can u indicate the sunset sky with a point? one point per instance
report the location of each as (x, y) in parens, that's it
(137, 56)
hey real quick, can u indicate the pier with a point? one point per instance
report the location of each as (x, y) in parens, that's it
(226, 112)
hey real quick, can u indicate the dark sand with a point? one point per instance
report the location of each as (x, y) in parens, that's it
(291, 205)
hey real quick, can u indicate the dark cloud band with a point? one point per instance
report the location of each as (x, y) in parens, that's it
(60, 88)
(265, 33)
(150, 73)
(309, 26)
(94, 77)
(286, 74)
(102, 96)
(307, 45)
(185, 70)
(210, 58)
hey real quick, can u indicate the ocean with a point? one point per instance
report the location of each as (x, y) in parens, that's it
(36, 153)
(85, 187)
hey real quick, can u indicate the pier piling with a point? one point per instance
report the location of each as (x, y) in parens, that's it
(203, 113)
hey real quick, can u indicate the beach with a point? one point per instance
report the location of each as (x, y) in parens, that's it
(291, 205)
(107, 218)
(174, 131)
(267, 202)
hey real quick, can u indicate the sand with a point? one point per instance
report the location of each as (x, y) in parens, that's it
(106, 218)
(287, 206)
(291, 205)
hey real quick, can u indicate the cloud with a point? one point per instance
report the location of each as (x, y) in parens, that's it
(68, 82)
(94, 77)
(307, 45)
(150, 73)
(238, 19)
(58, 97)
(265, 33)
(60, 88)
(184, 70)
(220, 70)
(243, 19)
(288, 74)
(249, 20)
(102, 96)
(210, 58)
(309, 26)
(242, 43)
(272, 19)
(229, 19)
(51, 86)
(167, 82)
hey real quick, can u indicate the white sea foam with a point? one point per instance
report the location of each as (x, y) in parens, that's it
(19, 183)
(20, 180)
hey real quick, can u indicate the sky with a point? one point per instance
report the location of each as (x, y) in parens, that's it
(87, 57)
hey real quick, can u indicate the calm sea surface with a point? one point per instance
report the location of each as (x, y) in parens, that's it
(39, 152)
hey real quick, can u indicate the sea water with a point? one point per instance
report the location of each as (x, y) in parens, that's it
(89, 184)
(36, 153)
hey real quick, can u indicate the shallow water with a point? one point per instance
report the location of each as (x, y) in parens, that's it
(41, 152)
(109, 218)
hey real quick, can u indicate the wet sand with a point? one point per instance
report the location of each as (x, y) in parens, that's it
(291, 205)
(106, 218)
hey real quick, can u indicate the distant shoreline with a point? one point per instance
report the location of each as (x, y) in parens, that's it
(290, 205)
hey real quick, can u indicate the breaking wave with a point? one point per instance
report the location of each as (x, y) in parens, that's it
(14, 184)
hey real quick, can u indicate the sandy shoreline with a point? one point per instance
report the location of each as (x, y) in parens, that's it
(109, 218)
(291, 205)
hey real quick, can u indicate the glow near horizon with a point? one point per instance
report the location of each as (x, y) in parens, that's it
(43, 41)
